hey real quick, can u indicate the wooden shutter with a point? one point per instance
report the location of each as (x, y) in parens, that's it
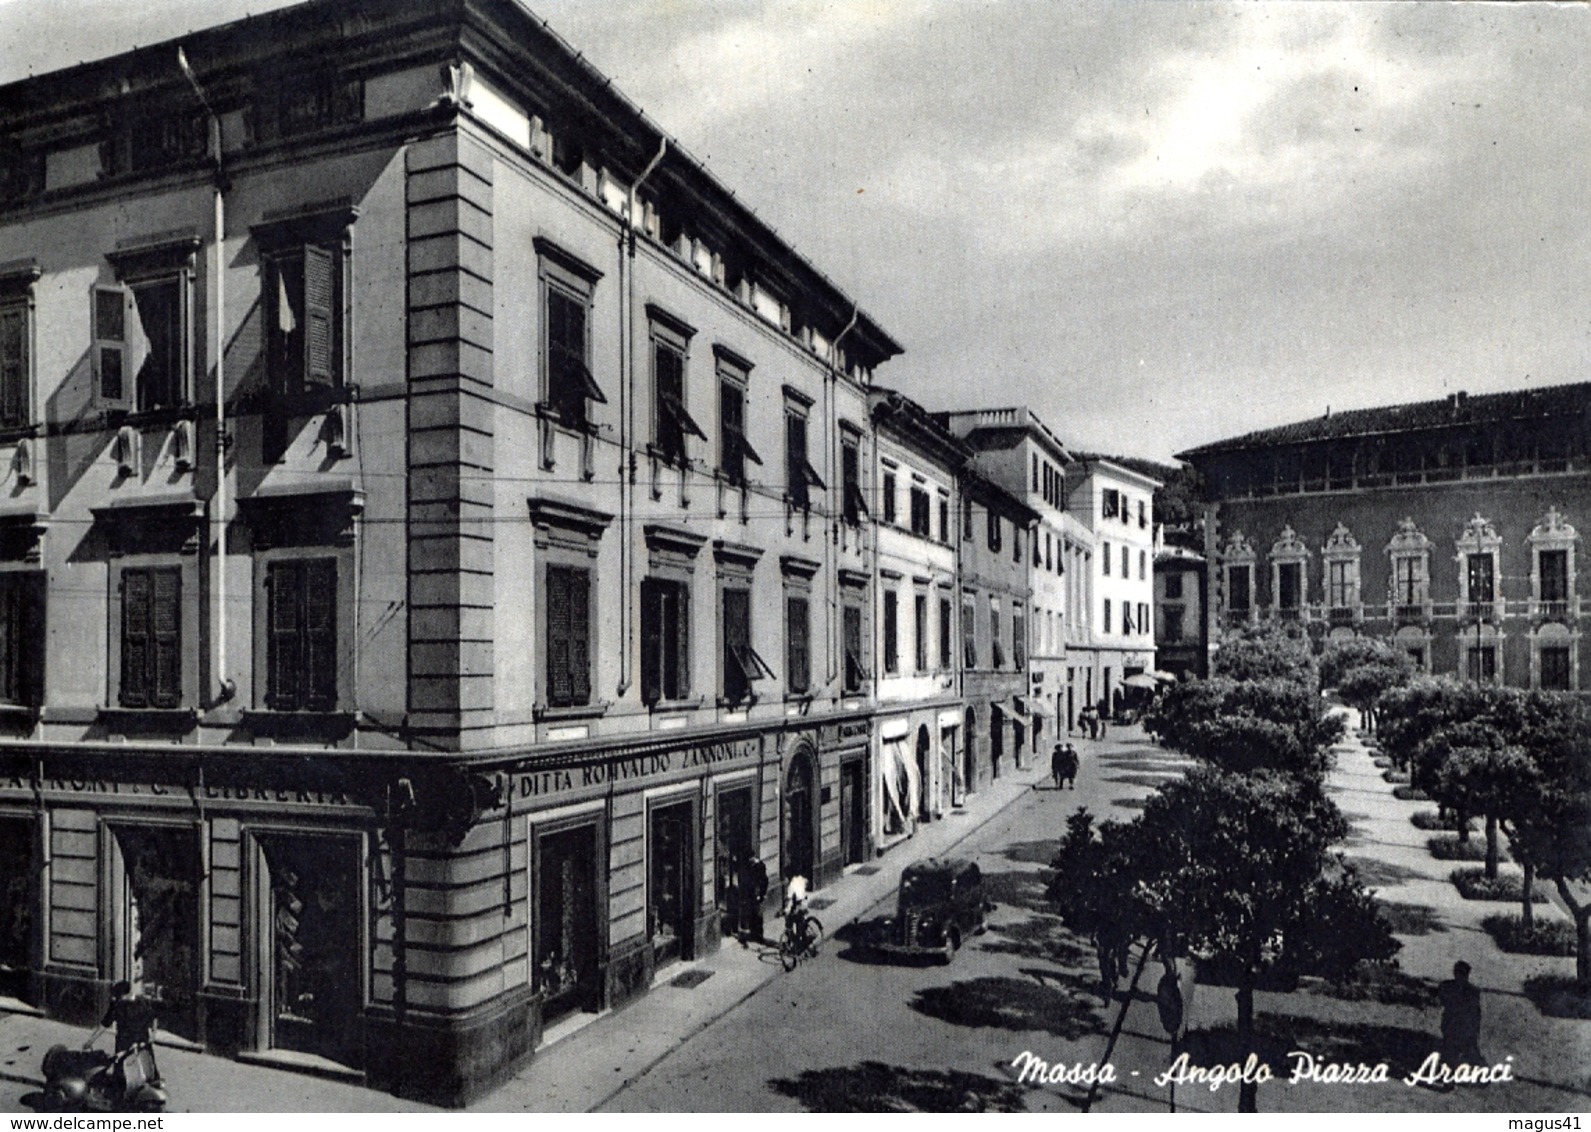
(11, 639)
(580, 634)
(319, 591)
(136, 601)
(32, 645)
(113, 384)
(285, 582)
(560, 681)
(651, 641)
(798, 663)
(165, 633)
(679, 671)
(731, 429)
(319, 298)
(852, 629)
(737, 630)
(14, 365)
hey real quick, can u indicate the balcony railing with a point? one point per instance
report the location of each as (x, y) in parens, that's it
(1343, 614)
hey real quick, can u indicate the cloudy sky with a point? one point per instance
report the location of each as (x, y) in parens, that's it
(1157, 224)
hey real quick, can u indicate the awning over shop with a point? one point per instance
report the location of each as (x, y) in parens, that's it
(899, 779)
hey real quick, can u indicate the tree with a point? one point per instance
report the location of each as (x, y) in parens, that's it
(1473, 771)
(1238, 867)
(1411, 714)
(1363, 669)
(1268, 652)
(1242, 726)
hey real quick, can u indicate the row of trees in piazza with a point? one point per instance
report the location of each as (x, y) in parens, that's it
(1234, 863)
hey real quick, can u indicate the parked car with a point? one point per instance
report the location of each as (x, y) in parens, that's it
(941, 903)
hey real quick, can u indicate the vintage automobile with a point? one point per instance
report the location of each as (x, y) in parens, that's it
(941, 903)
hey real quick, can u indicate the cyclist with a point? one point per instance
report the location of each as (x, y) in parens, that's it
(794, 907)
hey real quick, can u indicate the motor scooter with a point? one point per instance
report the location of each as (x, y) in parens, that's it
(91, 1080)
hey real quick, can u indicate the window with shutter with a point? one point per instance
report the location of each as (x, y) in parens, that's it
(737, 643)
(998, 660)
(151, 669)
(665, 637)
(111, 384)
(568, 636)
(303, 318)
(22, 638)
(284, 583)
(944, 634)
(851, 625)
(14, 369)
(891, 632)
(319, 303)
(853, 504)
(920, 630)
(320, 635)
(798, 664)
(969, 634)
(795, 445)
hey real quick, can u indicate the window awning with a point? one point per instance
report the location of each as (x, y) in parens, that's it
(681, 417)
(809, 473)
(574, 367)
(752, 666)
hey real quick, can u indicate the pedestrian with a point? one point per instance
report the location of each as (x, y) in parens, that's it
(1088, 721)
(753, 891)
(133, 1017)
(1461, 1018)
(1069, 765)
(1103, 713)
(1057, 764)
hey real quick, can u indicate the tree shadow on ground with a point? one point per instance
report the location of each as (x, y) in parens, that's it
(1411, 919)
(1377, 982)
(1168, 765)
(858, 942)
(1376, 873)
(1400, 1047)
(1557, 996)
(1039, 937)
(1149, 780)
(874, 1086)
(1018, 888)
(1067, 1010)
(1032, 852)
(1128, 803)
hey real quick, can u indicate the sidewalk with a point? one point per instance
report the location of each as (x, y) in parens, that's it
(1550, 1055)
(197, 1082)
(579, 1071)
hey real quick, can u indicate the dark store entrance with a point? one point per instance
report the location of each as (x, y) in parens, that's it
(157, 929)
(733, 877)
(313, 964)
(853, 812)
(670, 848)
(17, 901)
(800, 855)
(566, 921)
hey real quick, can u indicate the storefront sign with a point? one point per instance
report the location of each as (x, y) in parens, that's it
(209, 792)
(624, 771)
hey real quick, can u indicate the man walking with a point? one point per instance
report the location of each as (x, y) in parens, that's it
(1461, 1018)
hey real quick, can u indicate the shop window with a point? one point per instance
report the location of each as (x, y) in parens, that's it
(798, 643)
(566, 612)
(15, 368)
(301, 663)
(665, 640)
(891, 632)
(22, 598)
(151, 638)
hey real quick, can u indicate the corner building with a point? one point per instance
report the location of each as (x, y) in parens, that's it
(453, 699)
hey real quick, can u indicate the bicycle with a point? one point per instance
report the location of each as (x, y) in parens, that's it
(802, 934)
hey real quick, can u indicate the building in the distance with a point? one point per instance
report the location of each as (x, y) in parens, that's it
(1181, 637)
(1116, 504)
(916, 669)
(427, 563)
(1447, 526)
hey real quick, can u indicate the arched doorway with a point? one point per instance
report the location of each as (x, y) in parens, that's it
(924, 770)
(800, 830)
(969, 752)
(996, 740)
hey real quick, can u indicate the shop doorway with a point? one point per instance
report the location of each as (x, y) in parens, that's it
(969, 752)
(155, 874)
(565, 960)
(734, 876)
(312, 997)
(670, 882)
(18, 902)
(853, 812)
(996, 740)
(924, 775)
(800, 818)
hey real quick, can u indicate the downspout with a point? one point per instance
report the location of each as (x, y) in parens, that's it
(836, 508)
(627, 466)
(226, 689)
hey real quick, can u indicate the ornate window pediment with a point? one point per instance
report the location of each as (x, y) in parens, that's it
(1553, 532)
(1237, 550)
(1552, 569)
(1408, 590)
(1478, 537)
(1340, 545)
(1409, 540)
(1289, 547)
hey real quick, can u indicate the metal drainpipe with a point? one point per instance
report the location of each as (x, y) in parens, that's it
(226, 688)
(627, 415)
(831, 421)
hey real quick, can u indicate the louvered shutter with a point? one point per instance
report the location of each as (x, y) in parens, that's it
(737, 618)
(13, 366)
(560, 682)
(112, 383)
(651, 642)
(30, 648)
(135, 686)
(580, 635)
(320, 634)
(799, 661)
(166, 637)
(285, 582)
(11, 639)
(680, 673)
(319, 296)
